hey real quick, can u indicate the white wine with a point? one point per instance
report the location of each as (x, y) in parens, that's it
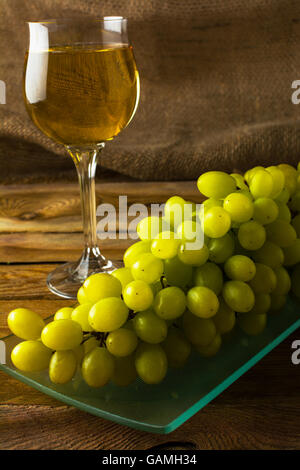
(79, 95)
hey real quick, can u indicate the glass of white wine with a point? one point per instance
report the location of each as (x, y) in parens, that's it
(81, 88)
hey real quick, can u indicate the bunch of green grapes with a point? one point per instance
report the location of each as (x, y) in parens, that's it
(194, 276)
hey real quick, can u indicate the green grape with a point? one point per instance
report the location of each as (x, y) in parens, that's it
(216, 222)
(295, 280)
(129, 324)
(296, 224)
(250, 173)
(246, 193)
(238, 295)
(165, 245)
(177, 348)
(151, 363)
(202, 302)
(240, 268)
(278, 180)
(177, 273)
(220, 249)
(193, 257)
(138, 295)
(124, 275)
(283, 197)
(269, 254)
(31, 356)
(284, 212)
(149, 327)
(265, 210)
(251, 235)
(224, 319)
(211, 202)
(80, 314)
(149, 227)
(157, 286)
(81, 296)
(189, 230)
(147, 268)
(298, 182)
(229, 337)
(200, 331)
(174, 210)
(97, 367)
(108, 314)
(290, 174)
(281, 233)
(79, 353)
(283, 284)
(124, 371)
(61, 335)
(170, 303)
(277, 303)
(295, 202)
(63, 313)
(239, 206)
(292, 253)
(239, 180)
(25, 323)
(251, 323)
(216, 184)
(90, 344)
(101, 285)
(62, 367)
(239, 250)
(264, 281)
(209, 275)
(190, 205)
(262, 304)
(134, 251)
(121, 342)
(261, 184)
(212, 348)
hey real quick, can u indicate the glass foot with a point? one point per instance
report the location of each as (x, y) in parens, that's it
(65, 280)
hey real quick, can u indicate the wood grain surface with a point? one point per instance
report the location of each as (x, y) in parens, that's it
(260, 411)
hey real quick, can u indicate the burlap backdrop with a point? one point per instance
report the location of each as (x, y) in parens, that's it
(215, 86)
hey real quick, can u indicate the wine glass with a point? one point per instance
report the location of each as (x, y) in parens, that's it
(81, 88)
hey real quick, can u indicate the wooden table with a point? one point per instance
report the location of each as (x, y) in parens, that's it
(40, 227)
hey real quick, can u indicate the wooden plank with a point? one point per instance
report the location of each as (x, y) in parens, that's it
(141, 191)
(64, 224)
(56, 207)
(25, 282)
(42, 222)
(217, 427)
(20, 255)
(52, 247)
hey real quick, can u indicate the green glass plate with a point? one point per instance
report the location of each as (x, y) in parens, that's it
(162, 408)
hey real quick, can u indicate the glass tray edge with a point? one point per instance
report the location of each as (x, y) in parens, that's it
(177, 421)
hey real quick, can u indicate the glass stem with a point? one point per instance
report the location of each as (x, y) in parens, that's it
(86, 163)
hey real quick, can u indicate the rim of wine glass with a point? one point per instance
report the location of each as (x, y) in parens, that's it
(76, 19)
